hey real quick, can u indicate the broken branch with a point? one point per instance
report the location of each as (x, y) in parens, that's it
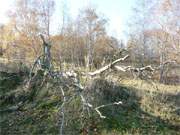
(101, 70)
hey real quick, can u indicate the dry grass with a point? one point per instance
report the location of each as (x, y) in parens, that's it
(159, 100)
(151, 86)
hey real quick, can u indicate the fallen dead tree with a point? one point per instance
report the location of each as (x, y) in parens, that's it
(42, 66)
(65, 79)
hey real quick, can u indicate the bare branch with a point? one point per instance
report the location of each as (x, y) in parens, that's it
(101, 70)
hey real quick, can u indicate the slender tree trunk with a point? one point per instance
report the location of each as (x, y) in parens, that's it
(161, 78)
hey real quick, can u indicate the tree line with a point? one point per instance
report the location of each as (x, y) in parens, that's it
(153, 34)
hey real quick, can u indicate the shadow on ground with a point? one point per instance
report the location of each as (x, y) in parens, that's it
(128, 117)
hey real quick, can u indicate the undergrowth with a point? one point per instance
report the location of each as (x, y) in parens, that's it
(148, 108)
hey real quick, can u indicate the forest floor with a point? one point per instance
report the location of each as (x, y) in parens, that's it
(148, 109)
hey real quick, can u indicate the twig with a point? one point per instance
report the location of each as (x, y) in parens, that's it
(102, 106)
(62, 110)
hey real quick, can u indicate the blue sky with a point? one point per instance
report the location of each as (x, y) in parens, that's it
(117, 11)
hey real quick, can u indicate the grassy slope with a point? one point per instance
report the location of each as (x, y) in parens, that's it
(159, 101)
(147, 109)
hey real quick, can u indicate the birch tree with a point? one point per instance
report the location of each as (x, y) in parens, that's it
(92, 26)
